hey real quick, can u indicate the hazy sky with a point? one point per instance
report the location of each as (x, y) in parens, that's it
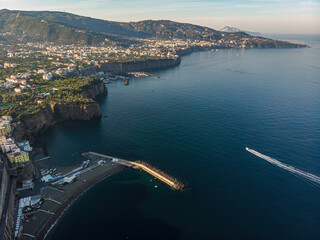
(266, 16)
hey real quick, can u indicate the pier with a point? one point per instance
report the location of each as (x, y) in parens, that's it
(155, 172)
(157, 175)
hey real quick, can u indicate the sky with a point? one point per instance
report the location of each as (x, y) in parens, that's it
(265, 16)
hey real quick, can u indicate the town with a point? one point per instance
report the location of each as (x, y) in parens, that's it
(31, 194)
(34, 77)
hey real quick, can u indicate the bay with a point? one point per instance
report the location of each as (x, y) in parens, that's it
(195, 122)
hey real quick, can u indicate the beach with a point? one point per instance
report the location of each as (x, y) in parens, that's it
(56, 199)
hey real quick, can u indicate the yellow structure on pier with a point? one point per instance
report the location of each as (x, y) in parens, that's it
(155, 174)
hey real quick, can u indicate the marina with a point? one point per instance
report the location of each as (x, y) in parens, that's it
(142, 74)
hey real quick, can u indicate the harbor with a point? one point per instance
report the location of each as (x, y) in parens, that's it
(142, 74)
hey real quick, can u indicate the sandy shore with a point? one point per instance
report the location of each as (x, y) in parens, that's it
(57, 200)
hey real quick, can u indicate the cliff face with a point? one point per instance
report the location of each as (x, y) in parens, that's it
(80, 112)
(140, 66)
(32, 125)
(95, 90)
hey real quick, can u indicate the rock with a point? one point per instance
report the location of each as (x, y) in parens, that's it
(140, 65)
(80, 112)
(35, 124)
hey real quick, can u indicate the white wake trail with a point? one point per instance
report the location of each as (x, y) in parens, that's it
(287, 167)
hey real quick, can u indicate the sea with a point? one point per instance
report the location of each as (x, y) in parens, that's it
(195, 122)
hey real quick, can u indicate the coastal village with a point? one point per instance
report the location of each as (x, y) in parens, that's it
(57, 66)
(14, 155)
(22, 64)
(30, 203)
(32, 196)
(45, 78)
(32, 76)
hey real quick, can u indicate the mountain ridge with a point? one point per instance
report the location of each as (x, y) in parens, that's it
(69, 28)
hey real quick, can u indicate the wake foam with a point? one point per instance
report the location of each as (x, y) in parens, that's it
(294, 170)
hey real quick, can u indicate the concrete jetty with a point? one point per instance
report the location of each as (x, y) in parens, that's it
(139, 165)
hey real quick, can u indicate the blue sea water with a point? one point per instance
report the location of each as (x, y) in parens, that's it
(195, 122)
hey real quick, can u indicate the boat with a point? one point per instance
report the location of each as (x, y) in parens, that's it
(85, 164)
(126, 82)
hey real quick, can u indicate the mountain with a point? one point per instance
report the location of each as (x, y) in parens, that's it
(33, 29)
(234, 29)
(163, 29)
(86, 23)
(68, 28)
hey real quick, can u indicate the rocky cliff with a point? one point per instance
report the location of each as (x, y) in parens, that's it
(140, 65)
(32, 125)
(80, 112)
(95, 90)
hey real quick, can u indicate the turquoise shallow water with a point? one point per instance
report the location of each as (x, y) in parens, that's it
(195, 122)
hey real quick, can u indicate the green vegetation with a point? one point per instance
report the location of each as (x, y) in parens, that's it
(67, 28)
(35, 61)
(60, 90)
(34, 29)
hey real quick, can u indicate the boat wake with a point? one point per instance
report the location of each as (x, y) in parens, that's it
(297, 172)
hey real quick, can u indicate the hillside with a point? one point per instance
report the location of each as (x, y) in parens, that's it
(86, 23)
(163, 29)
(33, 29)
(62, 27)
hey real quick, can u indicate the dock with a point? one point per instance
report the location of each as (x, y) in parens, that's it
(155, 172)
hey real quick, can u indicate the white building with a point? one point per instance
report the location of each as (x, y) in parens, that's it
(47, 76)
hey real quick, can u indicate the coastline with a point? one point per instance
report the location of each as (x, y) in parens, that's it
(57, 200)
(43, 229)
(50, 225)
(47, 227)
(60, 217)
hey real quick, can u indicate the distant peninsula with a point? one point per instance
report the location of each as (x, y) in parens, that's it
(53, 67)
(49, 61)
(234, 29)
(67, 28)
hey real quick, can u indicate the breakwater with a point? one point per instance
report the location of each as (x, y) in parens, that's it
(152, 170)
(159, 174)
(147, 167)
